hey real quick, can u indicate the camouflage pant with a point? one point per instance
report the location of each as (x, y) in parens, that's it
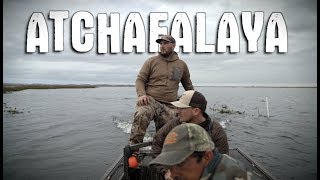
(156, 111)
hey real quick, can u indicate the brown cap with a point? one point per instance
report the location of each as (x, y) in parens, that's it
(166, 38)
(191, 98)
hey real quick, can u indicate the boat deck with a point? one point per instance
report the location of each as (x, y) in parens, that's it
(120, 170)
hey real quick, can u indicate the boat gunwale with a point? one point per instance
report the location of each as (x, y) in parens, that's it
(255, 164)
(115, 165)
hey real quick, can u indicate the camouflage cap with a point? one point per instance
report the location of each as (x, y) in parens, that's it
(166, 38)
(191, 98)
(181, 142)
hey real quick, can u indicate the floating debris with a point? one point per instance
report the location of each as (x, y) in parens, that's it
(12, 110)
(225, 110)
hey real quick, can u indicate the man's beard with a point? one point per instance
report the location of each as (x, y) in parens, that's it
(185, 120)
(166, 55)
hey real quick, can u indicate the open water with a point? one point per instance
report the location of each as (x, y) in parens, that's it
(78, 133)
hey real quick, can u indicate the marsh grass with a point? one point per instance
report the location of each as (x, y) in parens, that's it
(7, 88)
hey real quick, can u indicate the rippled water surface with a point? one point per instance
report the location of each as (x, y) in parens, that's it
(78, 133)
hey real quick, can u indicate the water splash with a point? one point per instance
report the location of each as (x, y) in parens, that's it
(123, 125)
(225, 123)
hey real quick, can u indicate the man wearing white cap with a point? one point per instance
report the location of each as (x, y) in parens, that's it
(157, 85)
(191, 108)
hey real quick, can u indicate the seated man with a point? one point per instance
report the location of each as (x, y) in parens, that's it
(189, 153)
(191, 108)
(157, 85)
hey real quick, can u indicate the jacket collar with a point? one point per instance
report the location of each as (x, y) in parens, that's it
(206, 124)
(209, 170)
(173, 57)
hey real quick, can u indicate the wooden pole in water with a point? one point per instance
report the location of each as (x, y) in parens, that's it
(267, 106)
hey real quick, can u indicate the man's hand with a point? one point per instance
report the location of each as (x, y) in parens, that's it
(143, 100)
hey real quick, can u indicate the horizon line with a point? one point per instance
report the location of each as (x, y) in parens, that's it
(132, 85)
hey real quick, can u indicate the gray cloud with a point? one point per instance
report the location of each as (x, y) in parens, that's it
(298, 66)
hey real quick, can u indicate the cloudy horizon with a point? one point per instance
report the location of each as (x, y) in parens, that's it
(297, 67)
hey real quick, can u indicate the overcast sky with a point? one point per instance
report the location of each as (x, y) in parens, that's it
(296, 67)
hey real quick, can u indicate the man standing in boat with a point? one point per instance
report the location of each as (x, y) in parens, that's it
(189, 153)
(191, 108)
(157, 85)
